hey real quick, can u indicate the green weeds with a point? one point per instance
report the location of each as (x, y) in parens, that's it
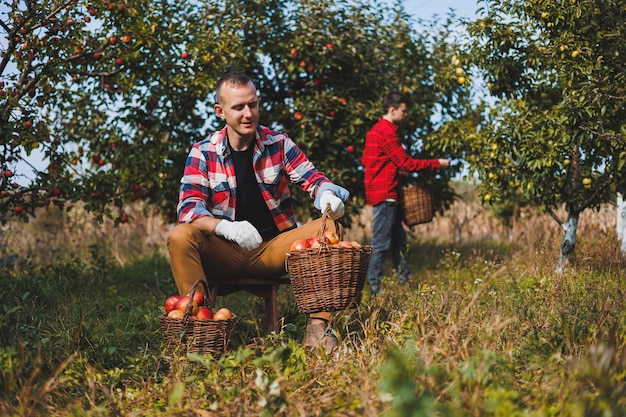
(485, 330)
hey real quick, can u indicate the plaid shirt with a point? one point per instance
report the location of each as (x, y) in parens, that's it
(209, 186)
(383, 159)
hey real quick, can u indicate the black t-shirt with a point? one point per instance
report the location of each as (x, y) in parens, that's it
(250, 203)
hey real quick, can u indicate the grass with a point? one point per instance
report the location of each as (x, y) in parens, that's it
(488, 329)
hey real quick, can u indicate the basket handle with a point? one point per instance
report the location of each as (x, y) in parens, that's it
(323, 244)
(326, 216)
(192, 292)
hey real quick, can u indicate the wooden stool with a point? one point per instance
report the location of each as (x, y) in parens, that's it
(266, 288)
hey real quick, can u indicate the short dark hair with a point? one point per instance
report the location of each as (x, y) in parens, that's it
(393, 100)
(236, 78)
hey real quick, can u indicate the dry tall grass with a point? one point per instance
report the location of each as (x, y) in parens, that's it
(53, 233)
(478, 333)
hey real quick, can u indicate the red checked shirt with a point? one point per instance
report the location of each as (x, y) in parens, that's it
(383, 159)
(209, 186)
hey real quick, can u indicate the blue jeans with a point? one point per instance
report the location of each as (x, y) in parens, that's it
(388, 232)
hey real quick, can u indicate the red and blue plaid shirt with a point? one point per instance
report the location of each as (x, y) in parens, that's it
(383, 159)
(209, 185)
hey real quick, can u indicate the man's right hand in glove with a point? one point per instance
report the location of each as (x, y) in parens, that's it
(242, 233)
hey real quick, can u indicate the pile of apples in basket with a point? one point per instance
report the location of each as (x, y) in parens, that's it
(330, 238)
(175, 306)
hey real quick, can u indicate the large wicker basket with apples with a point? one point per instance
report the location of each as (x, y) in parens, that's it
(326, 272)
(189, 325)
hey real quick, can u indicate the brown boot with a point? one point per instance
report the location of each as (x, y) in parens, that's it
(320, 333)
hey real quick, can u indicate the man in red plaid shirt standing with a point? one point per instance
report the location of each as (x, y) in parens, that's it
(384, 158)
(235, 211)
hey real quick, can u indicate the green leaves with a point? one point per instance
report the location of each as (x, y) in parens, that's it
(556, 65)
(398, 375)
(106, 95)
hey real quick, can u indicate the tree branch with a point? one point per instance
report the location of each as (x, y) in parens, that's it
(554, 216)
(592, 197)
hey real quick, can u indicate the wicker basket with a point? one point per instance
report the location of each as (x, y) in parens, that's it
(416, 204)
(197, 336)
(328, 278)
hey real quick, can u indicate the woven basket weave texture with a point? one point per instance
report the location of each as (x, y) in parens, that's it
(197, 336)
(328, 278)
(416, 204)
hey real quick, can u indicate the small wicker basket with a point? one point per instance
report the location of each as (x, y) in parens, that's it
(416, 204)
(197, 336)
(328, 278)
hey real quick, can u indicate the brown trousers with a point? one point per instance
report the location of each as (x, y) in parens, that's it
(195, 255)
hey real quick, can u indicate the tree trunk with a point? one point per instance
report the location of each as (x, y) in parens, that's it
(621, 222)
(568, 244)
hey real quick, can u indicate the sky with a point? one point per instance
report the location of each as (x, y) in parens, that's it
(425, 9)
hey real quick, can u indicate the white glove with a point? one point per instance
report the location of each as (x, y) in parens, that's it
(242, 233)
(329, 199)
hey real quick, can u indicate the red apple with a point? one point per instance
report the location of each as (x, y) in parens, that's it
(294, 52)
(184, 302)
(350, 149)
(300, 245)
(198, 297)
(184, 55)
(123, 218)
(119, 61)
(331, 237)
(315, 242)
(112, 40)
(222, 314)
(170, 303)
(344, 244)
(57, 192)
(355, 244)
(204, 313)
(176, 314)
(127, 38)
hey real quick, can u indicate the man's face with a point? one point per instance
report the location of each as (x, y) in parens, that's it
(399, 114)
(239, 107)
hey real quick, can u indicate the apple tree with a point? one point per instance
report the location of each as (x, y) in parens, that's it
(102, 100)
(331, 69)
(555, 133)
